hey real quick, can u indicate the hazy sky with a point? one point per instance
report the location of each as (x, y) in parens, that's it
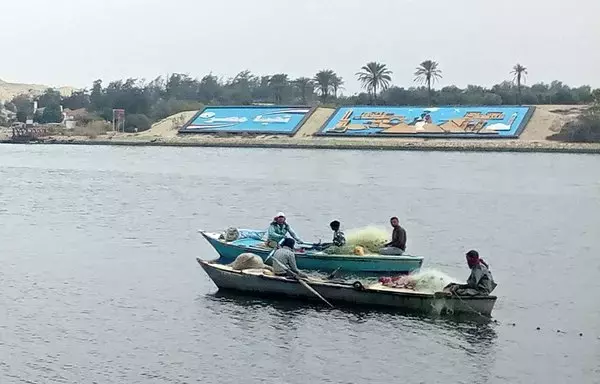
(73, 42)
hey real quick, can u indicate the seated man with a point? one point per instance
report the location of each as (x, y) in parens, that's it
(284, 259)
(479, 283)
(339, 239)
(398, 244)
(278, 230)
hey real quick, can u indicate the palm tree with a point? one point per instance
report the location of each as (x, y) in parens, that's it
(278, 83)
(519, 73)
(337, 83)
(304, 84)
(373, 76)
(428, 73)
(324, 81)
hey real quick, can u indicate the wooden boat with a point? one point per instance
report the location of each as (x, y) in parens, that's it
(257, 283)
(316, 260)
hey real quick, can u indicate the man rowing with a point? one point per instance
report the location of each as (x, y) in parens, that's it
(286, 260)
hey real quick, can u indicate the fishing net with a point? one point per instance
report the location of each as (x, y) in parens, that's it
(247, 261)
(370, 238)
(427, 280)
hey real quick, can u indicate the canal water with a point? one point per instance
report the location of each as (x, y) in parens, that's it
(100, 284)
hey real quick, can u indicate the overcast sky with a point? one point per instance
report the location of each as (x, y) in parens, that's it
(73, 42)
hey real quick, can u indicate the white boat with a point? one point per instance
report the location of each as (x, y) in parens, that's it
(256, 282)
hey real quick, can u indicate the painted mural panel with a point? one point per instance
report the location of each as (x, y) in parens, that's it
(248, 119)
(481, 121)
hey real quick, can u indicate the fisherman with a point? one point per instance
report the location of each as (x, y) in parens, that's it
(339, 239)
(285, 256)
(278, 230)
(398, 244)
(479, 283)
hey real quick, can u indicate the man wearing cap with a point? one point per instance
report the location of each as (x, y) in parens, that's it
(479, 283)
(278, 230)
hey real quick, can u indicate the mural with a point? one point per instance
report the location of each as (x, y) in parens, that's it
(248, 119)
(480, 122)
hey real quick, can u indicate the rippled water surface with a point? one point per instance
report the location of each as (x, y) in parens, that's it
(99, 282)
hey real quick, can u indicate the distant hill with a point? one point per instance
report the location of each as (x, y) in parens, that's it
(10, 90)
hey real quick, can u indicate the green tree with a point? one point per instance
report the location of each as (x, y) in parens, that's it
(428, 73)
(519, 72)
(305, 86)
(97, 96)
(337, 83)
(24, 104)
(374, 76)
(324, 80)
(49, 97)
(52, 114)
(21, 116)
(278, 84)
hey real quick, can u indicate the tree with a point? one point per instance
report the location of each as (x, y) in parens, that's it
(428, 73)
(324, 80)
(77, 100)
(24, 104)
(21, 116)
(97, 96)
(519, 73)
(49, 97)
(374, 76)
(337, 83)
(278, 83)
(51, 114)
(304, 85)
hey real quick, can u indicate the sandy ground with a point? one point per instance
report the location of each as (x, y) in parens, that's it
(546, 120)
(10, 90)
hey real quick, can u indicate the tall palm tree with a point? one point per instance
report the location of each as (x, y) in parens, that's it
(428, 73)
(519, 73)
(337, 83)
(324, 80)
(278, 83)
(374, 76)
(304, 84)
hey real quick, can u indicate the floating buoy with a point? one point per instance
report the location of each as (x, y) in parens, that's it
(580, 334)
(513, 324)
(538, 328)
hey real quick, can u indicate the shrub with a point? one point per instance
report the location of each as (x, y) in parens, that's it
(585, 129)
(137, 123)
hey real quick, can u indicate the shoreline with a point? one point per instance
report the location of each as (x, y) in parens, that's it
(437, 145)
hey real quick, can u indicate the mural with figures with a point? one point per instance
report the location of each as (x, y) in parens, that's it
(479, 122)
(248, 119)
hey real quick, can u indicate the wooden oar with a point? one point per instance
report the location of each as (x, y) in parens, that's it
(304, 283)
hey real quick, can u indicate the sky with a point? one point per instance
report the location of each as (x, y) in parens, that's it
(74, 42)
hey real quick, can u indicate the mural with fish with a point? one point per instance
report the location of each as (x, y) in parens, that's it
(460, 121)
(248, 119)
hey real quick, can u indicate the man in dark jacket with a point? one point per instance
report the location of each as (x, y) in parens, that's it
(479, 283)
(398, 244)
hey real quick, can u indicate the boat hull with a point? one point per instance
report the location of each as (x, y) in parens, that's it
(254, 282)
(324, 262)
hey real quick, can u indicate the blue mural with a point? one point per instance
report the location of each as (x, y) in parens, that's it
(460, 121)
(248, 119)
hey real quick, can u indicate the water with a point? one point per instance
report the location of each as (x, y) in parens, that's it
(100, 285)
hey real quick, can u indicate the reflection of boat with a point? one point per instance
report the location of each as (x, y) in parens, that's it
(310, 259)
(255, 282)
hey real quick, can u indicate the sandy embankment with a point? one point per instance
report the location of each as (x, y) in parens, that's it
(546, 120)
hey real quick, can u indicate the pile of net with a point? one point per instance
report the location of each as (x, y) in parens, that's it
(370, 238)
(427, 281)
(247, 261)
